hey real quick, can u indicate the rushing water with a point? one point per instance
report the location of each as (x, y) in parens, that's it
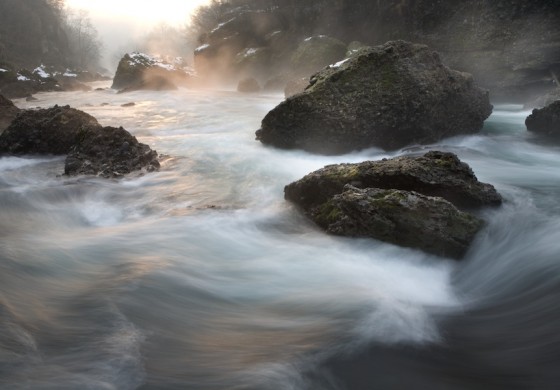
(201, 276)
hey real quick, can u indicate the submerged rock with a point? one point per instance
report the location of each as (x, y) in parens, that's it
(8, 111)
(409, 201)
(545, 121)
(109, 152)
(387, 96)
(46, 131)
(404, 218)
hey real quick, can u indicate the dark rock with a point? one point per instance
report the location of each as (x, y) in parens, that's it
(293, 87)
(399, 217)
(433, 174)
(387, 96)
(131, 104)
(408, 201)
(248, 85)
(109, 152)
(545, 121)
(316, 52)
(8, 111)
(46, 131)
(19, 89)
(31, 99)
(138, 71)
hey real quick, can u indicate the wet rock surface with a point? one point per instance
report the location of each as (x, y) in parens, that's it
(109, 152)
(388, 96)
(545, 121)
(404, 218)
(421, 202)
(45, 131)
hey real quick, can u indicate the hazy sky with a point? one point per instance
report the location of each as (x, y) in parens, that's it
(145, 11)
(119, 22)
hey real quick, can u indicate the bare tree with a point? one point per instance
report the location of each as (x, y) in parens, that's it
(83, 39)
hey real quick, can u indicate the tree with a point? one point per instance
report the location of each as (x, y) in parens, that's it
(84, 42)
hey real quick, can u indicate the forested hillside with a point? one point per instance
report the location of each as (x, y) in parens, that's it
(34, 32)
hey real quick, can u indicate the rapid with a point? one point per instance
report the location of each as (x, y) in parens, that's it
(201, 276)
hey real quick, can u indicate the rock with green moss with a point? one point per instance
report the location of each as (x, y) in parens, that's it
(414, 201)
(386, 96)
(404, 218)
(433, 174)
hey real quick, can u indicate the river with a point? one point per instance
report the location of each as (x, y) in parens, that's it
(201, 276)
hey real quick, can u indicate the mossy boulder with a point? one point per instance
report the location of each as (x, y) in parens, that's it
(415, 201)
(433, 174)
(404, 218)
(316, 52)
(545, 121)
(387, 96)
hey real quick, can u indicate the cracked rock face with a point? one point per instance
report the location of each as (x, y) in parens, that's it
(387, 96)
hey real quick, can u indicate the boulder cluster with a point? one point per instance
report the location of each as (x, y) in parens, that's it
(91, 149)
(413, 201)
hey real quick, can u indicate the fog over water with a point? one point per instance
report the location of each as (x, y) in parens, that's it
(201, 276)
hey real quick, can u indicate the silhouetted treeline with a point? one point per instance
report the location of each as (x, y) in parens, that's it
(34, 32)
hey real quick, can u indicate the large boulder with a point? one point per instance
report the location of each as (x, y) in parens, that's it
(8, 111)
(46, 131)
(139, 71)
(409, 201)
(545, 121)
(399, 217)
(387, 96)
(433, 174)
(109, 152)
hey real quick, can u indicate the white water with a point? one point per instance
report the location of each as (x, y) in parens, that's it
(201, 276)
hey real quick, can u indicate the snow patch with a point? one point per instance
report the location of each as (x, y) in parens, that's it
(68, 73)
(3, 70)
(40, 70)
(201, 48)
(338, 64)
(22, 78)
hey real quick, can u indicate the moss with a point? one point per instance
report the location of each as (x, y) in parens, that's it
(327, 214)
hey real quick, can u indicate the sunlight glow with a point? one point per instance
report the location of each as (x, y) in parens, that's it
(174, 12)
